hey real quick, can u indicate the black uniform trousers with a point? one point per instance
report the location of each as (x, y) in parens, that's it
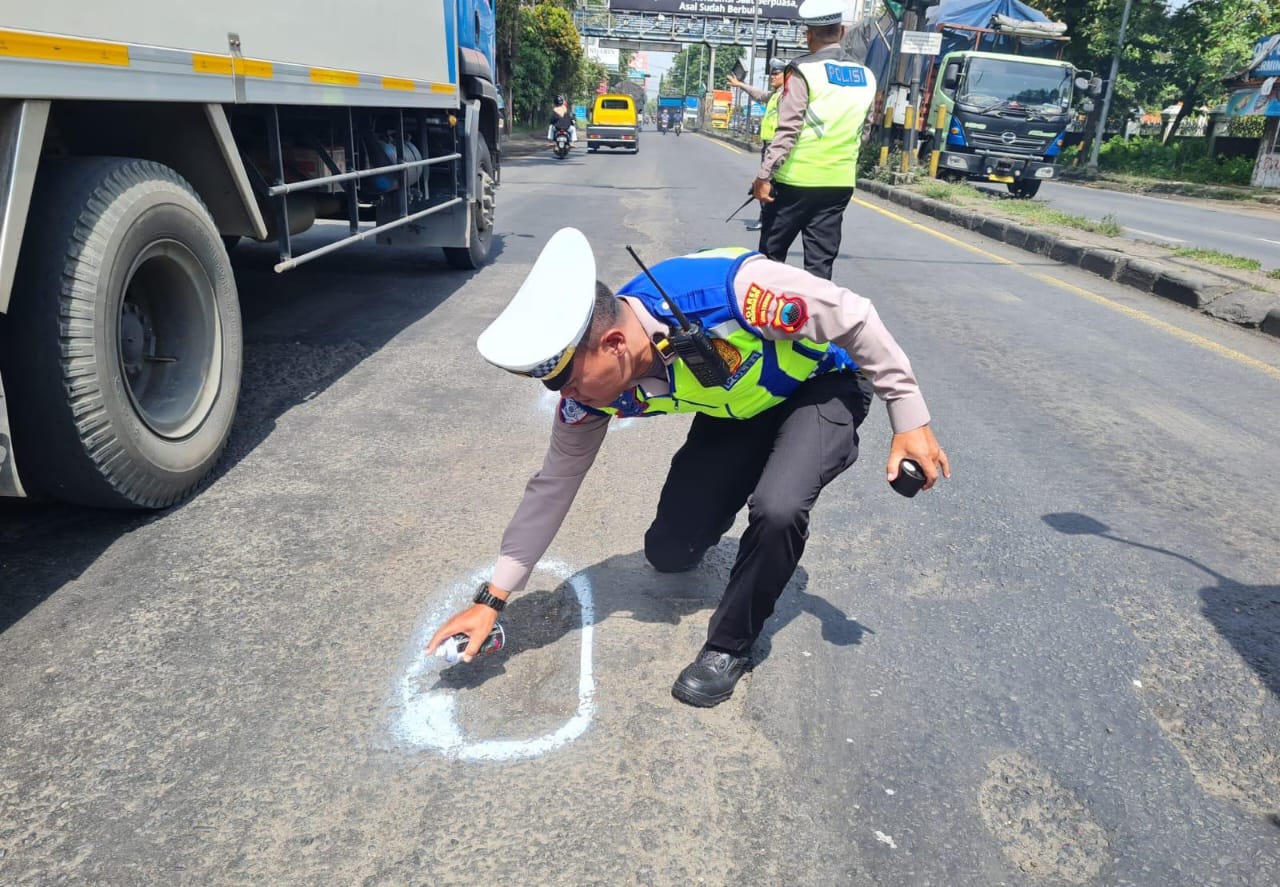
(776, 463)
(815, 213)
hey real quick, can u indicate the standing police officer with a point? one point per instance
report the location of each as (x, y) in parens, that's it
(769, 122)
(781, 379)
(806, 178)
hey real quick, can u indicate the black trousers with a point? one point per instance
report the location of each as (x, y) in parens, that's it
(815, 213)
(775, 463)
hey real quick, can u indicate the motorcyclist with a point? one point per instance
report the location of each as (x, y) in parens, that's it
(662, 120)
(562, 120)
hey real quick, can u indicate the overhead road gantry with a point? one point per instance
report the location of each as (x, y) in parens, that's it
(664, 32)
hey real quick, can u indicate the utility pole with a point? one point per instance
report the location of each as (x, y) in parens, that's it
(711, 71)
(1092, 167)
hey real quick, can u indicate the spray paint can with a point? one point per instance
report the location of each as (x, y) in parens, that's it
(451, 649)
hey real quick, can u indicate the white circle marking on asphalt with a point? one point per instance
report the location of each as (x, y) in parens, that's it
(426, 719)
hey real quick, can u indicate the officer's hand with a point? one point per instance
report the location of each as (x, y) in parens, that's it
(762, 190)
(475, 622)
(920, 446)
(734, 81)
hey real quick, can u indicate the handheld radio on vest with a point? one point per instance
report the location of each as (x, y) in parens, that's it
(690, 343)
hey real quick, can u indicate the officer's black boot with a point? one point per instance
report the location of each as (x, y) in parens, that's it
(709, 680)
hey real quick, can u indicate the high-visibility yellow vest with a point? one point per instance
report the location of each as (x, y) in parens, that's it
(825, 154)
(769, 122)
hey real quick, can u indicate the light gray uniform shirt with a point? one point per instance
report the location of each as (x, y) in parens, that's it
(835, 315)
(791, 107)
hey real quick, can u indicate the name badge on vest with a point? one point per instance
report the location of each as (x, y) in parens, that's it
(840, 75)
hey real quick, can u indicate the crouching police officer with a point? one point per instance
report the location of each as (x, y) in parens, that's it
(807, 175)
(780, 367)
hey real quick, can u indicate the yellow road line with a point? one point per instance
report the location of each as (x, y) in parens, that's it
(1176, 332)
(725, 145)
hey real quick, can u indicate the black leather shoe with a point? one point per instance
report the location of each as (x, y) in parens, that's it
(709, 680)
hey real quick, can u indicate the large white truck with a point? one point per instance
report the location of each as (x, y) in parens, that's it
(140, 139)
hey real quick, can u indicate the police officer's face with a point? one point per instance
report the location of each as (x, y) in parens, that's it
(600, 374)
(775, 80)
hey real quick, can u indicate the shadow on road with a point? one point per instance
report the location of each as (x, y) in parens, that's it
(1248, 616)
(303, 330)
(626, 586)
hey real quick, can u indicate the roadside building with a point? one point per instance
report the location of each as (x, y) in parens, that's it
(1256, 93)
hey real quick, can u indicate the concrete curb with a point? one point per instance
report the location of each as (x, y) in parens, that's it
(1220, 297)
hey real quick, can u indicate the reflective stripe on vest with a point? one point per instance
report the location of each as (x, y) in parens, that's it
(826, 150)
(769, 122)
(763, 372)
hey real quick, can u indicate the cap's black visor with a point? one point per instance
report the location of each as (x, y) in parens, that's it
(560, 379)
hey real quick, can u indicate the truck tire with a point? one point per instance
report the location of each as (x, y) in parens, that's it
(470, 258)
(123, 345)
(1026, 189)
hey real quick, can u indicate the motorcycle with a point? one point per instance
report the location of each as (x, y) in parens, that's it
(662, 127)
(561, 147)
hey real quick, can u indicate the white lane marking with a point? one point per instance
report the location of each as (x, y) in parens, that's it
(1153, 234)
(1265, 240)
(886, 839)
(426, 719)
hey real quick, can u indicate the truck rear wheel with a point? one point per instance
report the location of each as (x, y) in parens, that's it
(124, 339)
(469, 258)
(1026, 189)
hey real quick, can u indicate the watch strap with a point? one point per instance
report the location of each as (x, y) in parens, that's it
(483, 596)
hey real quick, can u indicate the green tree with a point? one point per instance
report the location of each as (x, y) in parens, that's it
(547, 58)
(696, 56)
(1210, 40)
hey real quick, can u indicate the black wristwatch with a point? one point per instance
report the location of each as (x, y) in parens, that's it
(484, 597)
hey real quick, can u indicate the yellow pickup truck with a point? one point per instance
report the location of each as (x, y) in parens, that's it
(613, 123)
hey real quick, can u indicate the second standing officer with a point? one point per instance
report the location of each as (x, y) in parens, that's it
(806, 178)
(770, 96)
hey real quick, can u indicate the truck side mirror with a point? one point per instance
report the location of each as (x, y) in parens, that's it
(1082, 83)
(951, 76)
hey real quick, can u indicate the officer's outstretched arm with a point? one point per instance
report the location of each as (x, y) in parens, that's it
(576, 437)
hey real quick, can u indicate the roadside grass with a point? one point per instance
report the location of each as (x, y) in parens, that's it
(1225, 260)
(1028, 210)
(1274, 273)
(1139, 184)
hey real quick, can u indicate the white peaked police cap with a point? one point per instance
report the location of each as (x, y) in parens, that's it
(822, 12)
(777, 64)
(537, 334)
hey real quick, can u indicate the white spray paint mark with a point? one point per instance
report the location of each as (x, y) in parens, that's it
(426, 719)
(889, 791)
(886, 839)
(550, 400)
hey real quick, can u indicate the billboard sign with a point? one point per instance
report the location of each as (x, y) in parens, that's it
(784, 10)
(1266, 57)
(605, 55)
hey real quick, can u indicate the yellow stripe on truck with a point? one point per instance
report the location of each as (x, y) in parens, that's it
(335, 78)
(398, 83)
(225, 64)
(62, 49)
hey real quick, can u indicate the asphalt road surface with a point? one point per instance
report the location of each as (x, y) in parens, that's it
(1240, 230)
(1060, 667)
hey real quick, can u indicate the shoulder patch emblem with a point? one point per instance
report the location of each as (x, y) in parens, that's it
(792, 314)
(572, 412)
(758, 305)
